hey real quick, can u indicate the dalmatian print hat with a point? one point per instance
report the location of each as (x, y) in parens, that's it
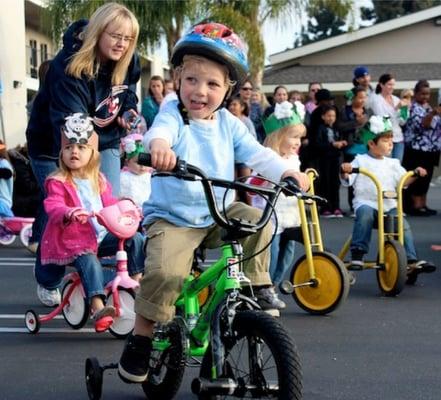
(78, 129)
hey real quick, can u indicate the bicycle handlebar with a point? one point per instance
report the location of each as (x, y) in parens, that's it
(189, 172)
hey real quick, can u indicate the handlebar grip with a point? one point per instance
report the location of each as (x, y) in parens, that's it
(293, 187)
(145, 159)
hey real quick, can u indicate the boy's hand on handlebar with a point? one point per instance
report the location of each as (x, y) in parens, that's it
(301, 178)
(163, 157)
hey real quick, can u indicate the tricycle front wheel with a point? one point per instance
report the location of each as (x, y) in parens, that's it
(330, 288)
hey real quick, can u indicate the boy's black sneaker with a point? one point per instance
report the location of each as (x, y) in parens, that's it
(268, 299)
(134, 362)
(356, 263)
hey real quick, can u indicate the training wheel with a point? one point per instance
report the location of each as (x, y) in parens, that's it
(32, 322)
(94, 378)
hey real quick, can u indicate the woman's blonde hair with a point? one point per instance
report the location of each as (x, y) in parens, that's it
(193, 59)
(86, 60)
(276, 138)
(91, 172)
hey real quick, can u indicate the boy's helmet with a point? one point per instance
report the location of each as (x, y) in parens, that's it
(217, 42)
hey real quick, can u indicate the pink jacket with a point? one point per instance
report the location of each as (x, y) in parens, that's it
(62, 240)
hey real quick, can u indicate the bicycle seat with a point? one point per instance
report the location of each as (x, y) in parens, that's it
(122, 219)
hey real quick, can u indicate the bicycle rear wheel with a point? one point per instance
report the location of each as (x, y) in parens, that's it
(261, 361)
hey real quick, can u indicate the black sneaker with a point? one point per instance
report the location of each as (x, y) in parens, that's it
(268, 299)
(356, 263)
(134, 362)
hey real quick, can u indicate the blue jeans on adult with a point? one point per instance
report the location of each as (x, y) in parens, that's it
(365, 220)
(42, 168)
(398, 151)
(110, 167)
(93, 276)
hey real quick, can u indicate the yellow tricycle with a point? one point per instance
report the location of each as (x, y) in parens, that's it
(391, 262)
(319, 281)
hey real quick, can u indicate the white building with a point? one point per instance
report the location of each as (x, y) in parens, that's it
(24, 47)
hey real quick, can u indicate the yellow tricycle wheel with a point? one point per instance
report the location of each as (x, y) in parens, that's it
(392, 278)
(331, 285)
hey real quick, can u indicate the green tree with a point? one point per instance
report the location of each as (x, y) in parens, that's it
(170, 17)
(387, 10)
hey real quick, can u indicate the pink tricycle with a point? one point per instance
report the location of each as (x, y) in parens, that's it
(121, 219)
(10, 227)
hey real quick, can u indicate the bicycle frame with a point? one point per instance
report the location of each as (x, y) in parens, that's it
(226, 272)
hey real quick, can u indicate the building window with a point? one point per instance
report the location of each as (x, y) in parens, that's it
(33, 58)
(43, 52)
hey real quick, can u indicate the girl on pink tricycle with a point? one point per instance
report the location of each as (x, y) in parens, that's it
(76, 192)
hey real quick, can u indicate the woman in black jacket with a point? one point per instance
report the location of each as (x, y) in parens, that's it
(95, 73)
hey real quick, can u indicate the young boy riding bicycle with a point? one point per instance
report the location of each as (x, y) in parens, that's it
(210, 64)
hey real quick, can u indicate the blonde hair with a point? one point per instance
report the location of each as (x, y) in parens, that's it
(275, 140)
(193, 59)
(91, 172)
(85, 61)
(406, 93)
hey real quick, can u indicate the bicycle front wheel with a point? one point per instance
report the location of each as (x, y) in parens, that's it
(261, 361)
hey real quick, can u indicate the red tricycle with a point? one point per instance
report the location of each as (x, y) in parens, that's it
(10, 227)
(121, 219)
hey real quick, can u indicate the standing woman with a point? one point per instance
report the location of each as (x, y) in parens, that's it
(95, 73)
(150, 105)
(423, 144)
(384, 102)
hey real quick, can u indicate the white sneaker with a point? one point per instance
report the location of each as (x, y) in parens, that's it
(49, 298)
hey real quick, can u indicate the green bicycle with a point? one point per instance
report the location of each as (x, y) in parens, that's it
(246, 353)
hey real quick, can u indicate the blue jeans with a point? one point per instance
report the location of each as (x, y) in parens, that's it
(42, 168)
(94, 277)
(398, 151)
(282, 253)
(88, 266)
(365, 220)
(110, 167)
(50, 274)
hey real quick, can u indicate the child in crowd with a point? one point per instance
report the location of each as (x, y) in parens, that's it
(210, 64)
(404, 105)
(284, 137)
(75, 191)
(6, 183)
(378, 137)
(328, 147)
(240, 109)
(135, 178)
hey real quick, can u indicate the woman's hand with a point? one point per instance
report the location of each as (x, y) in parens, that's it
(124, 122)
(163, 157)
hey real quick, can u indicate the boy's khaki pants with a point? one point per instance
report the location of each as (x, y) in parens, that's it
(170, 251)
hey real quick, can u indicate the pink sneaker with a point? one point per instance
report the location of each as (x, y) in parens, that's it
(327, 214)
(338, 213)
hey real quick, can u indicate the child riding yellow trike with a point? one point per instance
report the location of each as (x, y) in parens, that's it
(319, 281)
(393, 268)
